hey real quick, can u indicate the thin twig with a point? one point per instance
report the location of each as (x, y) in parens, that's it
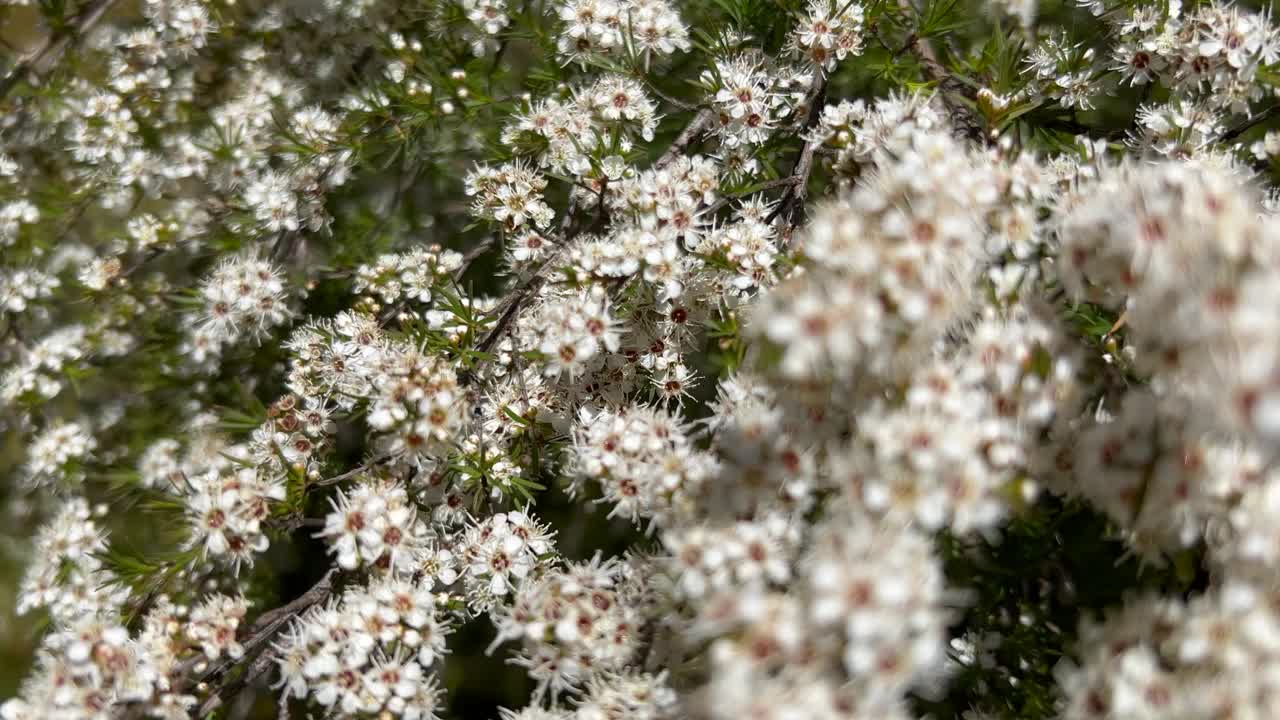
(55, 45)
(792, 202)
(1249, 124)
(762, 187)
(364, 467)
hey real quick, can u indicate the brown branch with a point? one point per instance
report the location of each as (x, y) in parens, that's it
(792, 203)
(510, 308)
(255, 650)
(964, 120)
(691, 132)
(262, 630)
(55, 45)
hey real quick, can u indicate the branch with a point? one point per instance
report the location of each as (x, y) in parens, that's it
(511, 306)
(686, 137)
(1244, 127)
(964, 120)
(514, 302)
(762, 187)
(55, 45)
(263, 629)
(792, 202)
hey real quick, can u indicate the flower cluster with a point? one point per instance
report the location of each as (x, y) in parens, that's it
(1192, 264)
(574, 623)
(1210, 55)
(1159, 656)
(644, 462)
(57, 452)
(371, 652)
(752, 98)
(241, 298)
(721, 558)
(68, 574)
(375, 525)
(226, 508)
(499, 553)
(714, 360)
(894, 261)
(410, 276)
(830, 32)
(417, 405)
(90, 662)
(595, 28)
(488, 17)
(575, 330)
(510, 195)
(587, 134)
(40, 372)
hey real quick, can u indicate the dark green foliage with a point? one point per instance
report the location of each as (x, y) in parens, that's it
(1055, 564)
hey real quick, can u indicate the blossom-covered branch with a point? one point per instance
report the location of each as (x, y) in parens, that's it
(598, 359)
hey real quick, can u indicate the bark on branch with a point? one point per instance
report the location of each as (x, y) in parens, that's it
(791, 206)
(691, 132)
(964, 120)
(255, 647)
(951, 90)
